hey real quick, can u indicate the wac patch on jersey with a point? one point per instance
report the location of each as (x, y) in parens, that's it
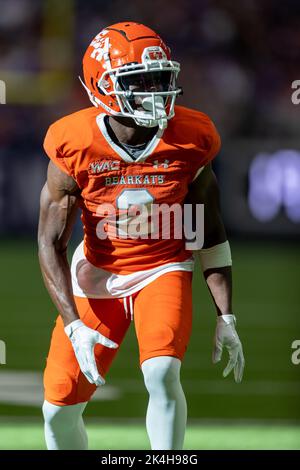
(103, 165)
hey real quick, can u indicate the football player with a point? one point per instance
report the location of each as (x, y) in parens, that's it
(134, 147)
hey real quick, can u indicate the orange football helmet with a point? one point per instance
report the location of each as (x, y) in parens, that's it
(129, 72)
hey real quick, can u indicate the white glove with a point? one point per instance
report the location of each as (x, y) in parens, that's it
(83, 341)
(227, 336)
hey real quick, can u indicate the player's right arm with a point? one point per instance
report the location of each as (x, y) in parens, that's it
(58, 209)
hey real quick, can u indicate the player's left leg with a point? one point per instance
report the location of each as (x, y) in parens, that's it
(167, 409)
(163, 320)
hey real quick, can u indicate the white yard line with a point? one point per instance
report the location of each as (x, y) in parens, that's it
(26, 388)
(223, 387)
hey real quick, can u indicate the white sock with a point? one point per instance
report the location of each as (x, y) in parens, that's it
(64, 427)
(167, 409)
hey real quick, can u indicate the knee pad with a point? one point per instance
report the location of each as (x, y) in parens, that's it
(161, 373)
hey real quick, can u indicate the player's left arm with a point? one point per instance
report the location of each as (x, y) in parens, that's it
(215, 259)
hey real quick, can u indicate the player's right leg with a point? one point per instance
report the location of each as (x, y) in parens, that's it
(67, 391)
(64, 427)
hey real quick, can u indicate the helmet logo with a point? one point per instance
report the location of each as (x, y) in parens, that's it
(100, 45)
(153, 53)
(156, 55)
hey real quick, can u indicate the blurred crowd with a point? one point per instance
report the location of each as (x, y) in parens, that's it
(238, 59)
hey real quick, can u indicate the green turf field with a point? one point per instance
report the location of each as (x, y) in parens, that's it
(29, 435)
(266, 299)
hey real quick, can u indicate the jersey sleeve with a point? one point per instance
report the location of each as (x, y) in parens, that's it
(209, 145)
(54, 152)
(215, 143)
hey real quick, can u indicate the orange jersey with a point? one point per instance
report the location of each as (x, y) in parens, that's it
(80, 146)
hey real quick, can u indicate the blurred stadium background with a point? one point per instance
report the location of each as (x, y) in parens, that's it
(239, 60)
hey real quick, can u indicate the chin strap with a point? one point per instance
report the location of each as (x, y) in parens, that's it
(155, 105)
(92, 98)
(161, 123)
